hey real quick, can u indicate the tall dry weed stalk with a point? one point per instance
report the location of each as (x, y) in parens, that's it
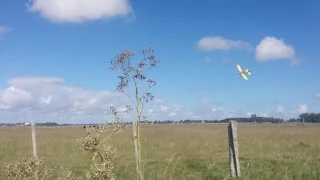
(135, 74)
(102, 153)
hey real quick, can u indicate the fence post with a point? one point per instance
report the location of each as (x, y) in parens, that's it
(233, 149)
(34, 144)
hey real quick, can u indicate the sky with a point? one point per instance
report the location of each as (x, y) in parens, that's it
(55, 58)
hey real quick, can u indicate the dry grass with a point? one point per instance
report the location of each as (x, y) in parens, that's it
(183, 151)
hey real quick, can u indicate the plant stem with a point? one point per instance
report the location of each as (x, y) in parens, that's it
(137, 134)
(136, 151)
(138, 129)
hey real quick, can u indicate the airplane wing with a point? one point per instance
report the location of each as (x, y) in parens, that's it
(239, 68)
(244, 76)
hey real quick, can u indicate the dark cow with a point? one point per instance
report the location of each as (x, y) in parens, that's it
(84, 127)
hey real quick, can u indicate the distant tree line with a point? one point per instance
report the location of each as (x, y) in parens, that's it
(255, 119)
(47, 124)
(307, 117)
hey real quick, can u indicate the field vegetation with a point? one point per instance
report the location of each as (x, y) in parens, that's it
(178, 151)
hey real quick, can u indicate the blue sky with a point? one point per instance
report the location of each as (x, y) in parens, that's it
(75, 41)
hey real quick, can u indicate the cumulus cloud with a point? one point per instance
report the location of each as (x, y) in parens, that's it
(317, 95)
(158, 101)
(264, 115)
(205, 101)
(271, 48)
(13, 98)
(72, 11)
(49, 95)
(164, 108)
(3, 30)
(220, 43)
(208, 111)
(280, 109)
(165, 112)
(303, 108)
(281, 112)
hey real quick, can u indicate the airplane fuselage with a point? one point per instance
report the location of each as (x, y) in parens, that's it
(243, 72)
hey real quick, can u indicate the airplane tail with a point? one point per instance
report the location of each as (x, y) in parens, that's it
(248, 71)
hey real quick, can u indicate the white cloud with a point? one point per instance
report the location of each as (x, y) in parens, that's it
(280, 109)
(286, 114)
(303, 108)
(205, 101)
(271, 48)
(249, 114)
(264, 115)
(317, 95)
(208, 111)
(49, 95)
(77, 11)
(3, 30)
(13, 98)
(173, 112)
(158, 101)
(164, 108)
(220, 43)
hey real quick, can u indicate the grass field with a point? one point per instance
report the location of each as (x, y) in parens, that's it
(183, 151)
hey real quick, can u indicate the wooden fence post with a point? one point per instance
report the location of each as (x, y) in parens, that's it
(233, 149)
(34, 144)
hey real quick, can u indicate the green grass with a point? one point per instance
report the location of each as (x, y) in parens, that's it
(183, 151)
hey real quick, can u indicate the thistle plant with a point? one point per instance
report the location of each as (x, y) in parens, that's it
(102, 154)
(134, 74)
(26, 167)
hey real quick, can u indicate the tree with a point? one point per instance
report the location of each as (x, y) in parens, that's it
(254, 117)
(135, 74)
(310, 117)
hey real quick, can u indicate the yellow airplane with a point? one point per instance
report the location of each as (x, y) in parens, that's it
(243, 73)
